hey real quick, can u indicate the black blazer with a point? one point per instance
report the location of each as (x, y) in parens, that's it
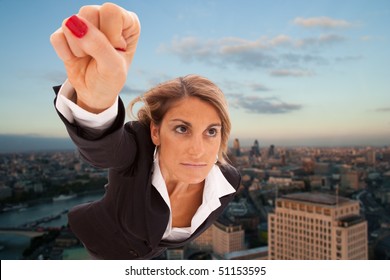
(128, 222)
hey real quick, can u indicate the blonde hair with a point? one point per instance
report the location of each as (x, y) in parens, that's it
(158, 100)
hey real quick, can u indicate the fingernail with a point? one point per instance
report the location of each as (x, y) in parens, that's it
(76, 26)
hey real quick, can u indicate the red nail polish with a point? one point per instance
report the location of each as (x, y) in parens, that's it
(120, 49)
(76, 26)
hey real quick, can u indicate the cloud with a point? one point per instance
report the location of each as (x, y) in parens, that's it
(53, 76)
(258, 87)
(366, 38)
(234, 86)
(149, 77)
(262, 105)
(383, 109)
(281, 51)
(321, 40)
(132, 91)
(222, 52)
(325, 22)
(348, 58)
(291, 73)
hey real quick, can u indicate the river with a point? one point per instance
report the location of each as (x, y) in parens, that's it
(14, 245)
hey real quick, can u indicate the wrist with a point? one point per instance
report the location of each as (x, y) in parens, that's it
(96, 107)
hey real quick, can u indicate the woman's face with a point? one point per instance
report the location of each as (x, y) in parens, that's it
(189, 138)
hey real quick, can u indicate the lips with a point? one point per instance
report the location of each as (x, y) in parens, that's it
(193, 165)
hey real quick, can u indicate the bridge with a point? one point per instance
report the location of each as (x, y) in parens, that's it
(33, 228)
(28, 232)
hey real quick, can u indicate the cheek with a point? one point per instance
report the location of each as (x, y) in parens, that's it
(215, 145)
(171, 149)
(171, 144)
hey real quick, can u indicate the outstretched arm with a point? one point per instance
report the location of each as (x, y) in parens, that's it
(97, 47)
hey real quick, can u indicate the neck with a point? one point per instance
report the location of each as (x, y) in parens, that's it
(178, 187)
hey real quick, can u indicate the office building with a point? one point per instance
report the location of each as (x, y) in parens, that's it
(236, 148)
(255, 149)
(316, 226)
(204, 242)
(227, 237)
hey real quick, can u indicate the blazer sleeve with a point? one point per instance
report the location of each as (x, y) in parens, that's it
(103, 148)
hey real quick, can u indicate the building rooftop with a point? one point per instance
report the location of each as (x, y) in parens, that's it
(224, 222)
(350, 221)
(318, 198)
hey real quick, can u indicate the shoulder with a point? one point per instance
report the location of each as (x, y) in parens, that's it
(135, 126)
(141, 136)
(138, 129)
(231, 174)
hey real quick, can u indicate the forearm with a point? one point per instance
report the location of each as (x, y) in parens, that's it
(66, 105)
(99, 143)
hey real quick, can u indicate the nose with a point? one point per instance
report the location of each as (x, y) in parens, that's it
(196, 146)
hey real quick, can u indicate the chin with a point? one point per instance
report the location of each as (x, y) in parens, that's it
(193, 179)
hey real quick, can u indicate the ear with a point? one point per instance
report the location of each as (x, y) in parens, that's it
(155, 133)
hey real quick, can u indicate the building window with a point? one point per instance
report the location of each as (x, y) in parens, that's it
(327, 212)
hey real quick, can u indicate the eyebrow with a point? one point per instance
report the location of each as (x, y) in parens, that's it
(189, 124)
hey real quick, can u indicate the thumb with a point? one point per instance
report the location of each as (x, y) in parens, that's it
(83, 35)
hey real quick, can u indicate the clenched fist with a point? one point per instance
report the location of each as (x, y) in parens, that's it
(97, 47)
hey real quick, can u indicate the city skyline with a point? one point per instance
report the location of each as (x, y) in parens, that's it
(348, 187)
(312, 74)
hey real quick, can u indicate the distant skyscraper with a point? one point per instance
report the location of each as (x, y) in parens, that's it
(371, 156)
(271, 151)
(255, 151)
(236, 148)
(316, 226)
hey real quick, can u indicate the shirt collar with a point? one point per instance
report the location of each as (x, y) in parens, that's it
(216, 185)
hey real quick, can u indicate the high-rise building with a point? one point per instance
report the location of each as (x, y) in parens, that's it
(227, 237)
(371, 156)
(316, 226)
(236, 148)
(255, 149)
(271, 151)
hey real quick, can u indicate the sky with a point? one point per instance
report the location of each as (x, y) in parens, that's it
(293, 72)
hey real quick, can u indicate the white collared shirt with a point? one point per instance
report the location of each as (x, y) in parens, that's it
(216, 185)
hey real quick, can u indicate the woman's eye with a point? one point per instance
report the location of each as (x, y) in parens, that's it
(212, 132)
(181, 129)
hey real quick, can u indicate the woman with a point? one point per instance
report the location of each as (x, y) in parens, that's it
(168, 176)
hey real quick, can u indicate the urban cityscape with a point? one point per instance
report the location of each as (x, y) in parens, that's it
(293, 203)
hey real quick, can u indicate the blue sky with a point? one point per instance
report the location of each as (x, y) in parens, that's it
(294, 72)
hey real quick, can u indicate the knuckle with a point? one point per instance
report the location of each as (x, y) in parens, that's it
(53, 38)
(109, 9)
(84, 10)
